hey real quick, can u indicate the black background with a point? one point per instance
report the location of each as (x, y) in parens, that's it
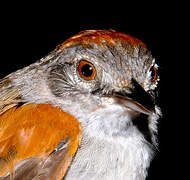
(30, 31)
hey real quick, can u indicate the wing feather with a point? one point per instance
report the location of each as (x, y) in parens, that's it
(32, 132)
(9, 96)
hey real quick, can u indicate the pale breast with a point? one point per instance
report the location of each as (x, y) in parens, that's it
(110, 160)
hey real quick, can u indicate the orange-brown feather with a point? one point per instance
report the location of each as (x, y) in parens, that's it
(99, 37)
(35, 130)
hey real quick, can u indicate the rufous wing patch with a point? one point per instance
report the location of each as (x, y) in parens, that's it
(34, 131)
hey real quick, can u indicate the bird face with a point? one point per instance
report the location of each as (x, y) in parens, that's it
(102, 75)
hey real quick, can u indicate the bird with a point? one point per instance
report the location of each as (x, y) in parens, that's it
(88, 110)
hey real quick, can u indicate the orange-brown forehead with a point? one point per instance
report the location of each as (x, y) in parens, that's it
(100, 37)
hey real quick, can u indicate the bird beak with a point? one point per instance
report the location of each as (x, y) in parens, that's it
(132, 105)
(137, 100)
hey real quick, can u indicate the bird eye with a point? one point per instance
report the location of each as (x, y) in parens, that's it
(86, 70)
(154, 75)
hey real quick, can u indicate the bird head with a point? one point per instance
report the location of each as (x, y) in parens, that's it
(107, 80)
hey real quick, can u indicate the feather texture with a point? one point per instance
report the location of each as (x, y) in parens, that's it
(35, 131)
(9, 96)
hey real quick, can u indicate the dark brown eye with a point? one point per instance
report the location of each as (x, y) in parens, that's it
(86, 70)
(154, 74)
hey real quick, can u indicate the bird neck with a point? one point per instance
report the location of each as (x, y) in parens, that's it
(107, 159)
